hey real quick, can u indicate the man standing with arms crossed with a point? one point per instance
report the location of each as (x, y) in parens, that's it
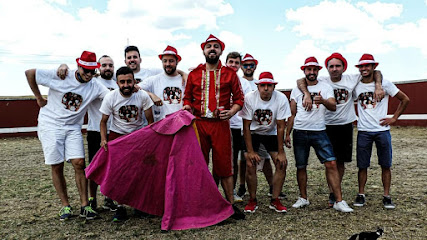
(339, 123)
(207, 94)
(374, 126)
(309, 130)
(60, 122)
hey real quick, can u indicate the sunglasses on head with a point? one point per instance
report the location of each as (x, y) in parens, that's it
(252, 65)
(87, 71)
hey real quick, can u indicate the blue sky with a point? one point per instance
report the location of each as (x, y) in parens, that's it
(280, 34)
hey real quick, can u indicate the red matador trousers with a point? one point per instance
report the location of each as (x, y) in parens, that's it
(215, 134)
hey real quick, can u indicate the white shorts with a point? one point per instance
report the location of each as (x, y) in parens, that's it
(60, 144)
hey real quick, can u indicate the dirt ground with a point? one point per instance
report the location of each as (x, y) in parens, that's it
(29, 205)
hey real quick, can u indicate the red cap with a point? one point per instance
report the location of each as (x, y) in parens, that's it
(170, 51)
(337, 56)
(210, 39)
(88, 60)
(266, 78)
(367, 59)
(311, 61)
(249, 57)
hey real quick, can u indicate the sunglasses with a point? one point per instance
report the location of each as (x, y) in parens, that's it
(87, 71)
(248, 65)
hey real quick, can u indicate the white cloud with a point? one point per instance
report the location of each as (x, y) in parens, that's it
(290, 67)
(279, 28)
(357, 27)
(49, 34)
(60, 2)
(381, 11)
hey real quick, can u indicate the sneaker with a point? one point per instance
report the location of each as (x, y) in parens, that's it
(120, 215)
(388, 204)
(242, 190)
(109, 204)
(331, 200)
(360, 200)
(141, 214)
(342, 207)
(65, 213)
(252, 206)
(88, 213)
(237, 215)
(301, 202)
(281, 195)
(277, 206)
(92, 203)
(237, 198)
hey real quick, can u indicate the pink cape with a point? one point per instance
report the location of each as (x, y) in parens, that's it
(160, 170)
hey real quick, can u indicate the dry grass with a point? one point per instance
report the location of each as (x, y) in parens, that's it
(29, 205)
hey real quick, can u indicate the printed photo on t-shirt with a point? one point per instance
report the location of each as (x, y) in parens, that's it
(172, 95)
(129, 113)
(72, 101)
(366, 100)
(263, 116)
(314, 106)
(341, 95)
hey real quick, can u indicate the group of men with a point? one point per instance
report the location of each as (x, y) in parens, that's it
(232, 114)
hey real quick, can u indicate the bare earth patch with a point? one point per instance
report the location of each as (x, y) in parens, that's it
(29, 205)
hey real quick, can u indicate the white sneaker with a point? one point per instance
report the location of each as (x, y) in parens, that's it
(237, 198)
(301, 202)
(342, 207)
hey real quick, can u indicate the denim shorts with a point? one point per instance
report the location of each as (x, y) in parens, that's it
(382, 141)
(303, 140)
(341, 137)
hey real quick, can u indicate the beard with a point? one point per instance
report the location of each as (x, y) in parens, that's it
(311, 77)
(127, 93)
(169, 70)
(248, 74)
(107, 75)
(212, 60)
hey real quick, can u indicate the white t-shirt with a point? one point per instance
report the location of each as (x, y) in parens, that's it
(143, 74)
(236, 121)
(167, 88)
(343, 90)
(68, 99)
(252, 84)
(313, 120)
(94, 115)
(371, 112)
(127, 112)
(264, 114)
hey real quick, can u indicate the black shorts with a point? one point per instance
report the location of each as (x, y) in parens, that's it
(93, 143)
(269, 141)
(341, 137)
(237, 137)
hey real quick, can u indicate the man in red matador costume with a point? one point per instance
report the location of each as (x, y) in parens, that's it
(207, 95)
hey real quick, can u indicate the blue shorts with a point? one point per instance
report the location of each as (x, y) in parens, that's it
(303, 140)
(382, 141)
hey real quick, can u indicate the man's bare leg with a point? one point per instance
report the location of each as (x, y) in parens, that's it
(59, 183)
(81, 181)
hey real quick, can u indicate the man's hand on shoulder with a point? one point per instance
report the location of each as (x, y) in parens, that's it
(62, 71)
